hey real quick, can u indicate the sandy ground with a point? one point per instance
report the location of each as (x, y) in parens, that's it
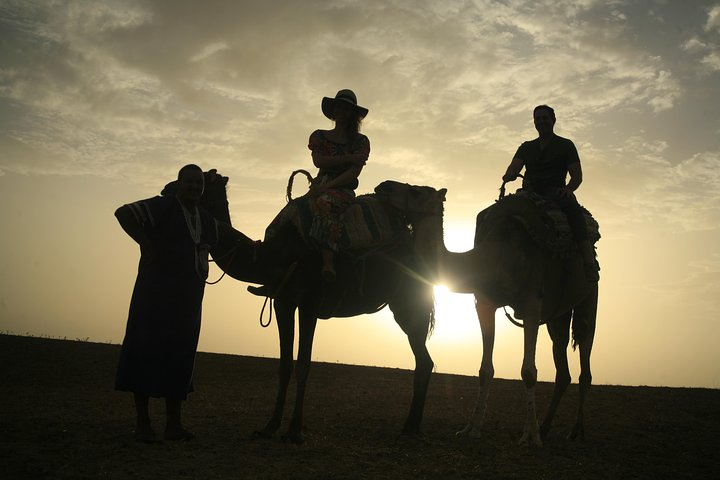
(61, 418)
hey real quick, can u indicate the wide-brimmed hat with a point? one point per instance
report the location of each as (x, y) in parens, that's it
(345, 95)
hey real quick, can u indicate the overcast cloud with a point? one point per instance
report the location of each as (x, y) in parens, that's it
(128, 90)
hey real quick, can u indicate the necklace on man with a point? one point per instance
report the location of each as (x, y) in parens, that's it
(193, 223)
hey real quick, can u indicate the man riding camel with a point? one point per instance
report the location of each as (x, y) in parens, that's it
(548, 160)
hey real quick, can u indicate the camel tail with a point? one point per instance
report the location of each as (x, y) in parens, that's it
(580, 330)
(431, 326)
(431, 314)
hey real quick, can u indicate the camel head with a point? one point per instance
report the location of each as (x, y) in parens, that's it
(412, 200)
(214, 198)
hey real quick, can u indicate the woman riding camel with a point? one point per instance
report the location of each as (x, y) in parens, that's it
(340, 154)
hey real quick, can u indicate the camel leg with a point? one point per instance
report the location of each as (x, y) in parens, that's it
(413, 316)
(559, 330)
(486, 316)
(421, 380)
(285, 314)
(584, 329)
(307, 322)
(528, 372)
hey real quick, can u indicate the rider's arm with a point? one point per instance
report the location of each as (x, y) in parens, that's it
(514, 169)
(347, 176)
(329, 161)
(576, 176)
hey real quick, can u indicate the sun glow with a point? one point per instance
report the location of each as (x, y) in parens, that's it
(455, 315)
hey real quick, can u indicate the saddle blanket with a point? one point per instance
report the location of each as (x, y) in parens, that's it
(543, 219)
(367, 224)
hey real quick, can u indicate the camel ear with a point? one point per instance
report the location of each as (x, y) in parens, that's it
(442, 193)
(170, 189)
(212, 176)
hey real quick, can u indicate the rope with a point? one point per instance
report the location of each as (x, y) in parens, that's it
(512, 320)
(284, 281)
(262, 312)
(502, 195)
(232, 253)
(216, 281)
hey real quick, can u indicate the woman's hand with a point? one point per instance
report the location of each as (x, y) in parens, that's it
(564, 192)
(317, 188)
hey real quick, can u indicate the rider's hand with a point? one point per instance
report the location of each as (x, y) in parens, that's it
(508, 177)
(317, 189)
(564, 192)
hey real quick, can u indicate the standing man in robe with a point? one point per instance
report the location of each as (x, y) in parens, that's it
(163, 327)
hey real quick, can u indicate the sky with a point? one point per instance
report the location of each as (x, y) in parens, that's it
(101, 102)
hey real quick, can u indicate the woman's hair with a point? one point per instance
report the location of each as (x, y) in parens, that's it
(354, 125)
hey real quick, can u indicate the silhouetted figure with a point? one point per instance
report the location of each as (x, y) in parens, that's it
(158, 352)
(548, 160)
(340, 154)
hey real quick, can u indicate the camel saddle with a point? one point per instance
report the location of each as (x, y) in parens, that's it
(367, 224)
(542, 218)
(369, 227)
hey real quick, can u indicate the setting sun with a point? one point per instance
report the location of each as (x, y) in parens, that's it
(455, 315)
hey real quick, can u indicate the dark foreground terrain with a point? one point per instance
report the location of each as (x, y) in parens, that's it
(60, 418)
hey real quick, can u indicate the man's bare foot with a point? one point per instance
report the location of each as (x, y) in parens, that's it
(145, 434)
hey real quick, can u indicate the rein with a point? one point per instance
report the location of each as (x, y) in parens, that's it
(231, 253)
(512, 320)
(280, 288)
(216, 281)
(509, 317)
(262, 312)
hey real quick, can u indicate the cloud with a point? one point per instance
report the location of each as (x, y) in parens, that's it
(685, 196)
(704, 46)
(118, 88)
(713, 20)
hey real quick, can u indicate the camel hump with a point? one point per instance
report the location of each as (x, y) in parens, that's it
(544, 221)
(368, 224)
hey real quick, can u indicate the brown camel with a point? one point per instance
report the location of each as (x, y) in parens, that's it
(396, 276)
(508, 266)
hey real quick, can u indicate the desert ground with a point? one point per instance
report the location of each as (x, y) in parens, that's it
(60, 418)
